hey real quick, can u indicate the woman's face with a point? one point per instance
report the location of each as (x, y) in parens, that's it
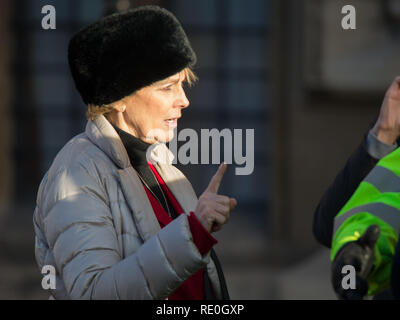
(152, 112)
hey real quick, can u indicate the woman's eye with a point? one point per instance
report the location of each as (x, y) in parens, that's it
(167, 88)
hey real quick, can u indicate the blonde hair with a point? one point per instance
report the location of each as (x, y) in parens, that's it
(94, 111)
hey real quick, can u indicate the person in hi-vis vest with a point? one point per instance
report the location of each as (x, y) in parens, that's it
(365, 231)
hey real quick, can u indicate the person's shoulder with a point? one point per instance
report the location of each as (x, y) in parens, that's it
(79, 152)
(78, 165)
(78, 159)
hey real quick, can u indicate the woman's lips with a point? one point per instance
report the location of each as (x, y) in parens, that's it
(172, 123)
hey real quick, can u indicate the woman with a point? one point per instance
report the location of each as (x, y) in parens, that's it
(113, 218)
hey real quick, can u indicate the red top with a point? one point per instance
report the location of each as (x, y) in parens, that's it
(192, 288)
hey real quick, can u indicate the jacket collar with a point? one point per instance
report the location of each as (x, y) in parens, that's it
(104, 136)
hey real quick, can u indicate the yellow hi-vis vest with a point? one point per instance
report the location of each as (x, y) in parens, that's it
(376, 201)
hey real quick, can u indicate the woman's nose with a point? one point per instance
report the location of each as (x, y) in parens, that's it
(183, 100)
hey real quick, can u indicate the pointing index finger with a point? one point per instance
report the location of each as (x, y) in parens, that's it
(217, 178)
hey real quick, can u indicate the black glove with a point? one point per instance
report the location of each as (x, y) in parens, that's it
(360, 254)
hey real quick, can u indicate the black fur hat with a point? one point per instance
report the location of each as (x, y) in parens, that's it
(125, 52)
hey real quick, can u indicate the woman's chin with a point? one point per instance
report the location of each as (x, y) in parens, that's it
(166, 137)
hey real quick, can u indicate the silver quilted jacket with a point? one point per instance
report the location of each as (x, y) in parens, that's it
(94, 223)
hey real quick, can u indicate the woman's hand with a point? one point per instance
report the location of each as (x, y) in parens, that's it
(213, 210)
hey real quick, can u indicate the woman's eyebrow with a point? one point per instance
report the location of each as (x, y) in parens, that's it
(168, 81)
